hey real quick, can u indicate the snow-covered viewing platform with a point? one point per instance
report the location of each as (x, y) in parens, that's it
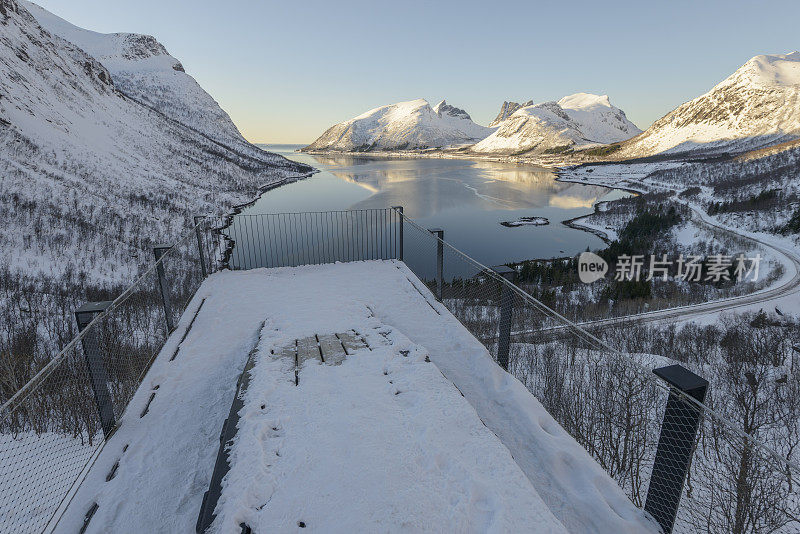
(408, 424)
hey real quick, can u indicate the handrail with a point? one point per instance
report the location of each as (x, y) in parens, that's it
(635, 366)
(9, 406)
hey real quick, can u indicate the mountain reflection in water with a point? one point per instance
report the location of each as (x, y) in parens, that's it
(467, 198)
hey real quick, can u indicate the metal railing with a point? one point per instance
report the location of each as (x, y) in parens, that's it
(672, 443)
(292, 239)
(53, 427)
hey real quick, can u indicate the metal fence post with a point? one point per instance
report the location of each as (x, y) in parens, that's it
(675, 444)
(94, 363)
(506, 314)
(199, 234)
(400, 244)
(438, 232)
(159, 251)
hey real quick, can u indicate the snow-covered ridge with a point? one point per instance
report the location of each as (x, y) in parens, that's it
(142, 68)
(770, 70)
(411, 125)
(576, 120)
(756, 106)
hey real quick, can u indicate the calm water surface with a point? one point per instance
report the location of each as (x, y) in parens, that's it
(468, 199)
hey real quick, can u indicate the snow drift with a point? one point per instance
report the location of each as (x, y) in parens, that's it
(411, 125)
(167, 476)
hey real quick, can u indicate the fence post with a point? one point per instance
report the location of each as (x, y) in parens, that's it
(675, 444)
(506, 311)
(199, 234)
(94, 363)
(400, 244)
(159, 251)
(438, 232)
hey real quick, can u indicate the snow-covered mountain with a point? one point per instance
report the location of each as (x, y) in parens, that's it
(90, 177)
(143, 70)
(411, 125)
(508, 109)
(576, 120)
(757, 105)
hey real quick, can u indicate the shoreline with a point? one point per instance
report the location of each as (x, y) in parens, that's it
(440, 154)
(549, 161)
(574, 222)
(575, 225)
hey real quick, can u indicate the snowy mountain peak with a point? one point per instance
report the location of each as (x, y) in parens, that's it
(770, 70)
(584, 101)
(756, 106)
(411, 125)
(443, 108)
(576, 120)
(86, 162)
(107, 48)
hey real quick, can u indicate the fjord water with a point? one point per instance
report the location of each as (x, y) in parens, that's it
(467, 198)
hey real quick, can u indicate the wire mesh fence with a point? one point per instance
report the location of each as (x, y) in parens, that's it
(52, 428)
(670, 441)
(292, 239)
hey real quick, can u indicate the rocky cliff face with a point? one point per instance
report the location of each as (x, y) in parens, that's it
(756, 106)
(444, 109)
(508, 109)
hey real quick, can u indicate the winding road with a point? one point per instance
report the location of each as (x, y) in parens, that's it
(692, 311)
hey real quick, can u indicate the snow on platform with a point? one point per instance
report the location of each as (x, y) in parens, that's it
(381, 440)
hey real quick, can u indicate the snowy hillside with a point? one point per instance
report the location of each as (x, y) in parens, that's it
(142, 68)
(757, 105)
(573, 121)
(91, 178)
(409, 125)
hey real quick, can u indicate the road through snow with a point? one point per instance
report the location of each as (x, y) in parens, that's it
(790, 286)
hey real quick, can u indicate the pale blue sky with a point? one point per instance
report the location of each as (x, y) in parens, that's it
(285, 71)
